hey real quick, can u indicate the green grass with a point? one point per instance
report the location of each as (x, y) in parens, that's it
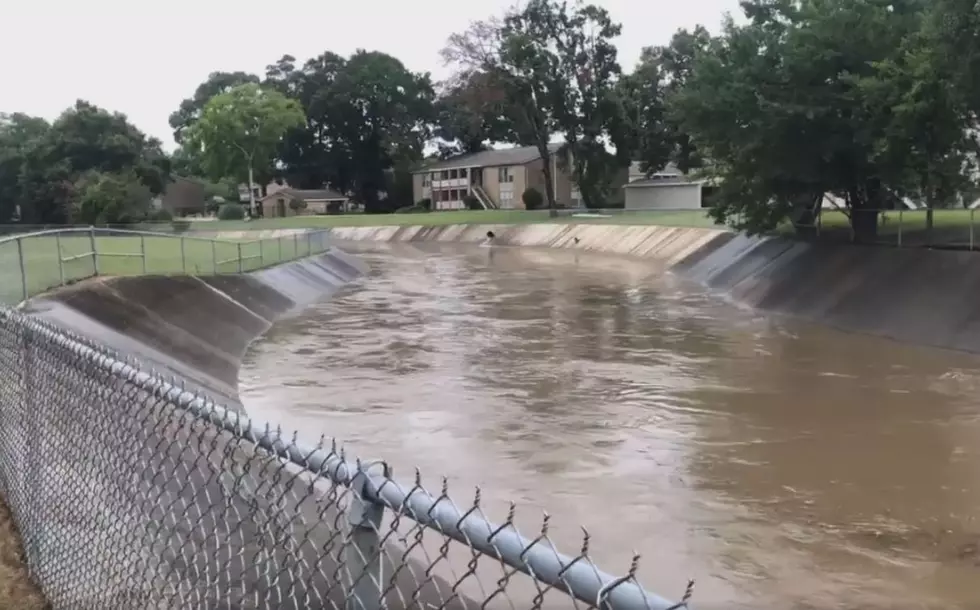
(124, 255)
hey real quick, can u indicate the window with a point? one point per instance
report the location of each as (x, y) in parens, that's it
(454, 195)
(444, 175)
(443, 195)
(506, 195)
(462, 173)
(505, 175)
(426, 179)
(453, 174)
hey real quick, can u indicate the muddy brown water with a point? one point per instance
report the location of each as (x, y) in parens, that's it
(778, 463)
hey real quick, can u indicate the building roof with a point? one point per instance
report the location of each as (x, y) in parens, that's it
(490, 158)
(662, 181)
(308, 195)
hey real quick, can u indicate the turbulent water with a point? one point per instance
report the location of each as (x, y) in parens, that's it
(777, 463)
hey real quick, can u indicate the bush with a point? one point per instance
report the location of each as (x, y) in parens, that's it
(533, 199)
(424, 203)
(472, 203)
(231, 211)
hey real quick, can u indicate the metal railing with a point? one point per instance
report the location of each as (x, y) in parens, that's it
(167, 499)
(31, 263)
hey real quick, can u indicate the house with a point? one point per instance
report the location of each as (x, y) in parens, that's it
(182, 197)
(257, 190)
(497, 178)
(296, 202)
(667, 189)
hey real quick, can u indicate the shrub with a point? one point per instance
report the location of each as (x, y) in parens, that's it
(533, 199)
(231, 211)
(472, 203)
(424, 203)
(296, 205)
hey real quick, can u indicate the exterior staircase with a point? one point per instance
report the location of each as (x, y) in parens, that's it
(483, 197)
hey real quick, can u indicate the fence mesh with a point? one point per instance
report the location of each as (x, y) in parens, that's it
(130, 492)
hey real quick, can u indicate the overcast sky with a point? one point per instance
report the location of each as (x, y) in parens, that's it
(142, 58)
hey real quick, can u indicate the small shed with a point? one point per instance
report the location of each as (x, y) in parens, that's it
(304, 202)
(663, 193)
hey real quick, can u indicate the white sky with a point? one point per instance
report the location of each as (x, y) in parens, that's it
(142, 58)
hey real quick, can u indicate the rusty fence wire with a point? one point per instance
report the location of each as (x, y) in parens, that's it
(131, 492)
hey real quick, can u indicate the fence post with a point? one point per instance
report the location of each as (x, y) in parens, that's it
(143, 252)
(61, 260)
(362, 556)
(95, 253)
(239, 257)
(214, 256)
(23, 267)
(183, 255)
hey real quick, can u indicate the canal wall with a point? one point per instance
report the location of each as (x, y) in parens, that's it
(194, 328)
(913, 295)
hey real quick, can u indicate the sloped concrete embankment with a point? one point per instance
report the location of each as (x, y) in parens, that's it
(927, 297)
(195, 329)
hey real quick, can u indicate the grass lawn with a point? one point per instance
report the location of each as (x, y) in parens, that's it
(696, 218)
(124, 255)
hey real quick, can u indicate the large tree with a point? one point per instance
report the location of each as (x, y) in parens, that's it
(190, 109)
(557, 66)
(470, 114)
(648, 130)
(42, 166)
(240, 131)
(366, 117)
(789, 108)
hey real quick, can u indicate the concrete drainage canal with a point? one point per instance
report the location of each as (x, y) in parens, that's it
(778, 463)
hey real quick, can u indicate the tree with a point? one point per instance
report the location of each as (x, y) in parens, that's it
(241, 130)
(781, 106)
(367, 116)
(532, 198)
(489, 49)
(111, 198)
(646, 129)
(20, 135)
(558, 67)
(41, 165)
(191, 108)
(470, 113)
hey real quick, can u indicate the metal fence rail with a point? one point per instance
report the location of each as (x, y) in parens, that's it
(131, 492)
(32, 263)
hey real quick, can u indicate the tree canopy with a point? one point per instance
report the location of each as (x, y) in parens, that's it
(240, 131)
(864, 103)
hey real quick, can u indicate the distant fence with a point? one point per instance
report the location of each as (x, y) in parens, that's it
(132, 493)
(31, 263)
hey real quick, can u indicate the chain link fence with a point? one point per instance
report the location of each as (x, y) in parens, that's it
(131, 492)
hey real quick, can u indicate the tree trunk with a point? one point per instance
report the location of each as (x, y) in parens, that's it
(864, 222)
(929, 222)
(251, 190)
(549, 184)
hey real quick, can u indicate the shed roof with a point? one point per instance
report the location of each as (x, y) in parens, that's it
(308, 195)
(664, 181)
